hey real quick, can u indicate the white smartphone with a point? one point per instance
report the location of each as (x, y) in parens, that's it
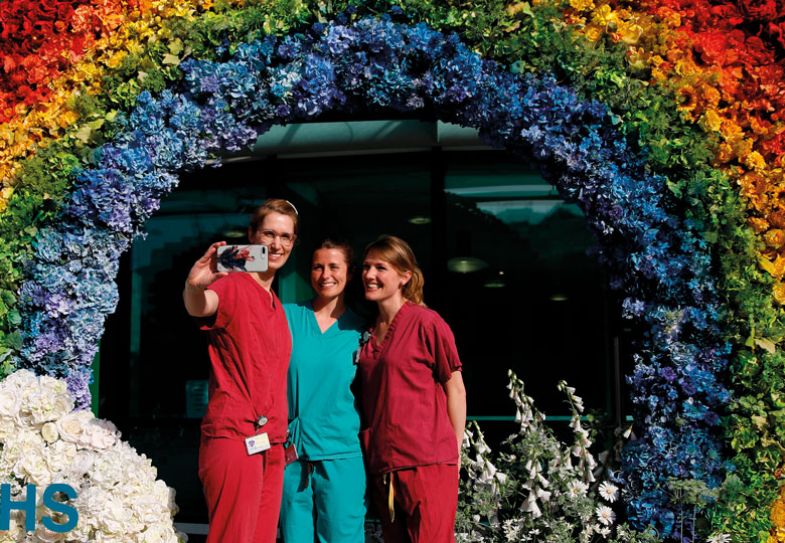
(246, 258)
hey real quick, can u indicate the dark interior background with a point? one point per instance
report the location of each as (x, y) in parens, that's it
(537, 302)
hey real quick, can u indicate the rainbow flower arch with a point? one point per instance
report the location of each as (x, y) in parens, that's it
(662, 120)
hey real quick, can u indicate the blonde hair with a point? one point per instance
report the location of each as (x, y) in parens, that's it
(397, 252)
(273, 205)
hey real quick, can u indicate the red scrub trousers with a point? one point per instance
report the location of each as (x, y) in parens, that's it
(243, 492)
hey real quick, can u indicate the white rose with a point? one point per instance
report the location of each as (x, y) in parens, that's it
(115, 518)
(82, 463)
(32, 467)
(49, 432)
(49, 401)
(48, 536)
(71, 426)
(8, 428)
(59, 456)
(20, 379)
(25, 442)
(10, 402)
(100, 434)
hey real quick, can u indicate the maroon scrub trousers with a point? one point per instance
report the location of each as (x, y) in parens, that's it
(249, 348)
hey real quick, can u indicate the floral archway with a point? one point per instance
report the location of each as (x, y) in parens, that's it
(672, 146)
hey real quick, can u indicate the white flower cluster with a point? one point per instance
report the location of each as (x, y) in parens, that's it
(43, 441)
(538, 489)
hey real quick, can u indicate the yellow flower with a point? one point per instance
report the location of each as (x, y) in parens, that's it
(755, 161)
(636, 58)
(514, 9)
(605, 16)
(593, 33)
(687, 98)
(684, 67)
(115, 59)
(711, 121)
(629, 33)
(779, 297)
(582, 5)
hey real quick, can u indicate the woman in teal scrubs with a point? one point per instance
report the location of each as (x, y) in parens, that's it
(324, 490)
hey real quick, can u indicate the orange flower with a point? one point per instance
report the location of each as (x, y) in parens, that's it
(686, 98)
(774, 238)
(724, 153)
(758, 225)
(730, 130)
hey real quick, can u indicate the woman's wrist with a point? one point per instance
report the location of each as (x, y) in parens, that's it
(195, 288)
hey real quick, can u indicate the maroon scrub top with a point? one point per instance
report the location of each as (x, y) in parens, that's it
(249, 350)
(404, 405)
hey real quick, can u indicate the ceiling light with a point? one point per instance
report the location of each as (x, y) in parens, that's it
(420, 220)
(559, 297)
(495, 283)
(466, 264)
(234, 234)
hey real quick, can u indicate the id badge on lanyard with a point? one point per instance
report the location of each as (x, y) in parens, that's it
(259, 442)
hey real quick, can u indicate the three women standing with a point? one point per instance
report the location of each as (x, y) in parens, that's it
(412, 395)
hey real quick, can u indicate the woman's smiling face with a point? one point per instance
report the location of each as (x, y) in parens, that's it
(381, 279)
(329, 272)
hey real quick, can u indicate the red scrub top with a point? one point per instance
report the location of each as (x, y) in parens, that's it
(249, 350)
(404, 405)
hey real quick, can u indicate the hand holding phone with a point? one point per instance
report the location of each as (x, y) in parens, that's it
(246, 258)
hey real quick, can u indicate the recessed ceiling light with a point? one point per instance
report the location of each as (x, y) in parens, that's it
(466, 264)
(234, 234)
(420, 220)
(558, 297)
(495, 283)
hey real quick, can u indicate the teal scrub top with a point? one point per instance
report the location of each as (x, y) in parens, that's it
(324, 421)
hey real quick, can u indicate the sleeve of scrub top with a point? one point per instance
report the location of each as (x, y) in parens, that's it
(440, 342)
(226, 290)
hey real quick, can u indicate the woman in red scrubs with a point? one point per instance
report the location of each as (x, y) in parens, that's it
(413, 401)
(241, 457)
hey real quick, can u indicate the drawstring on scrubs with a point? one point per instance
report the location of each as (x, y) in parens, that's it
(388, 480)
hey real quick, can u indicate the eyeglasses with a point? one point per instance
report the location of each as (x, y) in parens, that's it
(269, 236)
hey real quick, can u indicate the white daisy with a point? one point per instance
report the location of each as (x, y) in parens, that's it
(605, 515)
(609, 492)
(576, 489)
(719, 538)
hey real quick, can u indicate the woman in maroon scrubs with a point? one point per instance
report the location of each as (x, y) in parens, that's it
(413, 401)
(241, 456)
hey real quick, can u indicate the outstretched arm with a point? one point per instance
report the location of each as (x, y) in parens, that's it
(199, 301)
(456, 405)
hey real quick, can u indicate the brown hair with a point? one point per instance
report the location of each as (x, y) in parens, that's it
(341, 245)
(273, 205)
(397, 252)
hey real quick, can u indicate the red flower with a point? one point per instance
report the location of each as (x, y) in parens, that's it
(760, 10)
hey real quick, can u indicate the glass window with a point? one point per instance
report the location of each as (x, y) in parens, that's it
(505, 262)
